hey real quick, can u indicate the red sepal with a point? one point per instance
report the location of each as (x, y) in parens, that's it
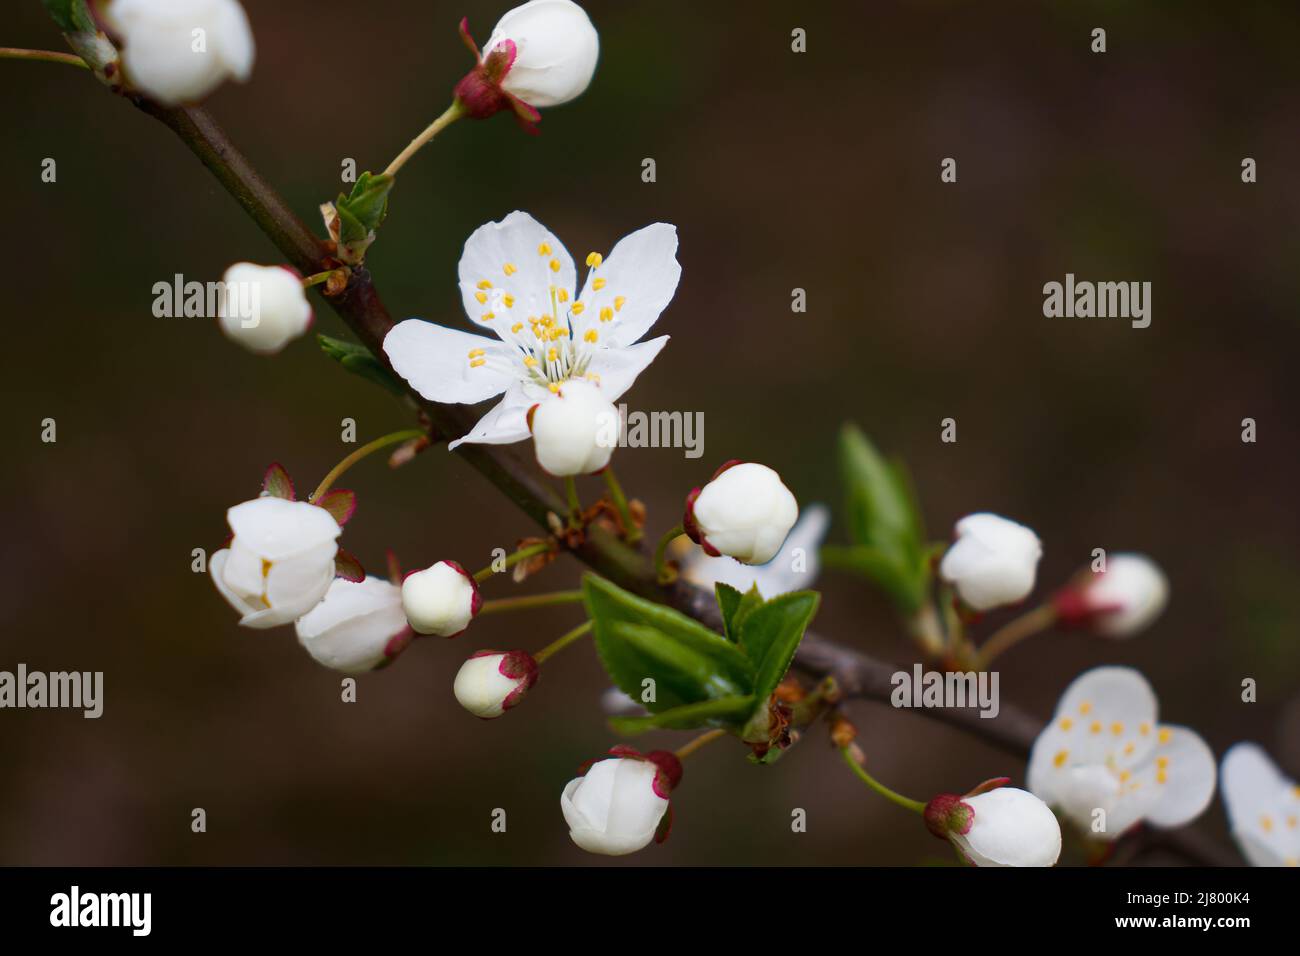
(276, 482)
(665, 825)
(347, 567)
(947, 814)
(340, 503)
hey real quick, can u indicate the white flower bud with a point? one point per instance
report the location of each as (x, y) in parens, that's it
(442, 599)
(280, 561)
(993, 561)
(575, 430)
(744, 512)
(555, 51)
(263, 308)
(1010, 828)
(357, 627)
(1118, 602)
(491, 682)
(179, 51)
(616, 808)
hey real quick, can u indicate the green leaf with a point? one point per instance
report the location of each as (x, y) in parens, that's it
(367, 205)
(72, 16)
(904, 583)
(359, 360)
(770, 634)
(735, 607)
(722, 712)
(883, 516)
(638, 639)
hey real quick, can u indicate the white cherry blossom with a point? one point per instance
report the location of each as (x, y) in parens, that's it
(1263, 807)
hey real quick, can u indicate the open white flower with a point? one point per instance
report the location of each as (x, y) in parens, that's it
(442, 599)
(1006, 827)
(745, 512)
(280, 561)
(793, 569)
(993, 561)
(556, 49)
(263, 308)
(179, 51)
(491, 682)
(1118, 602)
(517, 280)
(1104, 751)
(357, 627)
(1263, 807)
(618, 806)
(576, 431)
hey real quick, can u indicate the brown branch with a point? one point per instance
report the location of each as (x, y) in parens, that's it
(859, 675)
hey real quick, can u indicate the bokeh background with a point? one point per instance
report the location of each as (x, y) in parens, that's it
(818, 171)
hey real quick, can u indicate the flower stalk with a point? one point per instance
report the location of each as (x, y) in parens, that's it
(561, 642)
(916, 806)
(384, 441)
(449, 116)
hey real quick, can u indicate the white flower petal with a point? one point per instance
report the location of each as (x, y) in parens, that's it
(617, 368)
(275, 528)
(518, 258)
(436, 361)
(1182, 772)
(349, 630)
(556, 50)
(780, 575)
(640, 276)
(1011, 828)
(1263, 807)
(507, 422)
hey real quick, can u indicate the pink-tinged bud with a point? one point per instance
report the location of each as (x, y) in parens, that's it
(1003, 826)
(442, 599)
(491, 682)
(744, 512)
(620, 804)
(540, 54)
(1117, 602)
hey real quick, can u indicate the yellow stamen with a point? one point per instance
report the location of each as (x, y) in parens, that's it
(477, 363)
(594, 259)
(484, 284)
(1117, 728)
(590, 336)
(475, 353)
(530, 362)
(1061, 757)
(543, 250)
(598, 284)
(509, 268)
(517, 327)
(563, 295)
(509, 300)
(578, 308)
(482, 297)
(618, 302)
(1096, 727)
(1066, 722)
(1165, 735)
(607, 314)
(489, 316)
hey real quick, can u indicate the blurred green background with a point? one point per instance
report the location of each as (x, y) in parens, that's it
(818, 171)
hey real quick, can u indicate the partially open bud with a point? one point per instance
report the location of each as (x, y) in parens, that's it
(359, 626)
(442, 599)
(280, 560)
(1000, 827)
(575, 430)
(179, 51)
(540, 54)
(619, 805)
(491, 682)
(1118, 602)
(993, 562)
(744, 512)
(263, 308)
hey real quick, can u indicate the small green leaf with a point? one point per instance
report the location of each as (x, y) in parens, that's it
(358, 360)
(735, 606)
(722, 712)
(367, 205)
(639, 639)
(72, 16)
(904, 583)
(771, 634)
(883, 516)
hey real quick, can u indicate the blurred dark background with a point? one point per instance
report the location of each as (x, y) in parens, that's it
(818, 171)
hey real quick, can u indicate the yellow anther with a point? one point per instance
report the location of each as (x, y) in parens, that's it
(590, 336)
(1165, 735)
(555, 265)
(598, 284)
(477, 362)
(509, 269)
(482, 297)
(1124, 775)
(1144, 729)
(607, 314)
(1085, 708)
(543, 250)
(547, 321)
(1095, 727)
(475, 353)
(1266, 822)
(517, 327)
(484, 284)
(1162, 776)
(1066, 722)
(552, 354)
(563, 295)
(489, 316)
(554, 387)
(1162, 762)
(529, 362)
(1292, 822)
(618, 302)
(594, 259)
(1128, 750)
(1061, 757)
(578, 308)
(1117, 728)
(509, 300)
